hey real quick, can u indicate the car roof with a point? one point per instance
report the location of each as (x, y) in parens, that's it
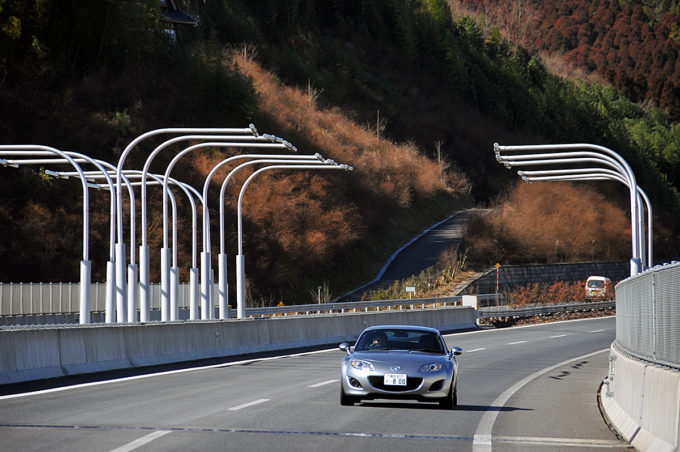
(402, 327)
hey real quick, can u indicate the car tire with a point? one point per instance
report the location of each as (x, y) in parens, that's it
(451, 400)
(346, 400)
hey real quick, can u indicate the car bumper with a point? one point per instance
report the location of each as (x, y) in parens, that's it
(430, 386)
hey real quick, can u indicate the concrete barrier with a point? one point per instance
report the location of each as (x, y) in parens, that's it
(642, 401)
(47, 352)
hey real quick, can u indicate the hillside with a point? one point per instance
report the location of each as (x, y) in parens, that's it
(632, 44)
(410, 95)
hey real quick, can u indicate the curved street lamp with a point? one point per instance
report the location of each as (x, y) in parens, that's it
(599, 154)
(120, 245)
(223, 296)
(85, 271)
(206, 272)
(240, 261)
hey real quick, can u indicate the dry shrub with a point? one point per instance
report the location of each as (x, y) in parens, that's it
(394, 171)
(550, 222)
(555, 293)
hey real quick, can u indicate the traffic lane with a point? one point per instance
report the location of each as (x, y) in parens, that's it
(166, 397)
(165, 402)
(560, 410)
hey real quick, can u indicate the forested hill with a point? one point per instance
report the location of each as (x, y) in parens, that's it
(633, 44)
(410, 94)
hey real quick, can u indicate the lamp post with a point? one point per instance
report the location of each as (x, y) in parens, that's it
(240, 260)
(188, 191)
(206, 272)
(222, 257)
(593, 153)
(100, 164)
(85, 271)
(120, 245)
(144, 249)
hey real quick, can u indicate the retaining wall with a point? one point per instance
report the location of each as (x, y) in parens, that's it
(46, 352)
(511, 276)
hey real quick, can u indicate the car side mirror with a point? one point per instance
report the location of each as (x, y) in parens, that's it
(456, 351)
(344, 347)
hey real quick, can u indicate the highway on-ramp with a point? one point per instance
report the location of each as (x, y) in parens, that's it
(522, 388)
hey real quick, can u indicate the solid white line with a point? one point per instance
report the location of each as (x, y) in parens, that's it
(246, 405)
(482, 438)
(569, 442)
(559, 335)
(475, 350)
(323, 383)
(141, 441)
(518, 342)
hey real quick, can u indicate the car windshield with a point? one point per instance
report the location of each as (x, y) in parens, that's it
(398, 339)
(595, 284)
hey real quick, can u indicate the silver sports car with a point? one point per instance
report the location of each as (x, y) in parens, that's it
(400, 362)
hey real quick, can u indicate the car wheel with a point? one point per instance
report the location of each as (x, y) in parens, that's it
(451, 399)
(345, 399)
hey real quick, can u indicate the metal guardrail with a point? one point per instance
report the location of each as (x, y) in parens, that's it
(487, 313)
(361, 306)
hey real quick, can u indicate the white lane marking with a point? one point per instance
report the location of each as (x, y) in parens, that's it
(596, 331)
(475, 350)
(249, 404)
(485, 425)
(518, 342)
(157, 374)
(141, 441)
(569, 442)
(559, 335)
(323, 383)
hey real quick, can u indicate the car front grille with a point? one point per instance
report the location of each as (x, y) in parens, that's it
(378, 382)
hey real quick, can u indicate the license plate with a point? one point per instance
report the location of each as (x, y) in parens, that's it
(395, 379)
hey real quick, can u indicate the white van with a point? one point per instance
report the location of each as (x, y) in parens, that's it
(596, 286)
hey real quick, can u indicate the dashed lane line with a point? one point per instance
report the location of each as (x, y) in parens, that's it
(475, 350)
(517, 342)
(249, 404)
(559, 335)
(323, 383)
(508, 440)
(141, 441)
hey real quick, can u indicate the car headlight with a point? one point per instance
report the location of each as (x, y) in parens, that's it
(361, 364)
(431, 367)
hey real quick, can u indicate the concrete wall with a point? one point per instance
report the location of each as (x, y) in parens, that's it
(511, 276)
(47, 352)
(642, 401)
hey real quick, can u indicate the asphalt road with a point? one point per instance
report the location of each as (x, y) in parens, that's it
(523, 388)
(417, 255)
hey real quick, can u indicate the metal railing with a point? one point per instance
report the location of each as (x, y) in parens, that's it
(530, 311)
(648, 315)
(63, 298)
(362, 306)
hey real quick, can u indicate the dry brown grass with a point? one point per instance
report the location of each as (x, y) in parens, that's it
(550, 222)
(395, 171)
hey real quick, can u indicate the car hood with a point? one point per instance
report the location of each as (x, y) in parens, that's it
(397, 355)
